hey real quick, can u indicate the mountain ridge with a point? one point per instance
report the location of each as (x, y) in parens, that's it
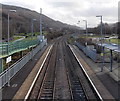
(20, 22)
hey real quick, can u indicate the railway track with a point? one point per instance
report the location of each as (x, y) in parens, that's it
(81, 89)
(61, 73)
(47, 87)
(44, 86)
(77, 92)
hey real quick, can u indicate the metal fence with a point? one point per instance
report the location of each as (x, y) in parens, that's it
(12, 70)
(89, 52)
(17, 46)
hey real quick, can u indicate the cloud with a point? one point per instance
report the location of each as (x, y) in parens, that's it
(119, 11)
(70, 11)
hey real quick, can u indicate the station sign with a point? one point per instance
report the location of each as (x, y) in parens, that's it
(8, 59)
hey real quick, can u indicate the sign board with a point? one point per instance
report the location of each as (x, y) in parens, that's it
(40, 38)
(8, 59)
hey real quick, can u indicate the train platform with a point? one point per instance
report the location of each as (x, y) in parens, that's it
(107, 87)
(24, 89)
(16, 82)
(106, 82)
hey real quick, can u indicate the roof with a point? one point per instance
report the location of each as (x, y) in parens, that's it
(113, 47)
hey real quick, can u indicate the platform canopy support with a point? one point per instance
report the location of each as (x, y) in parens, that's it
(111, 60)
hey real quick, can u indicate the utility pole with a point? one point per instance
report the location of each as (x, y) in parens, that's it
(40, 21)
(32, 30)
(78, 22)
(8, 41)
(102, 50)
(86, 30)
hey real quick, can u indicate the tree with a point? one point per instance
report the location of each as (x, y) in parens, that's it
(106, 29)
(118, 30)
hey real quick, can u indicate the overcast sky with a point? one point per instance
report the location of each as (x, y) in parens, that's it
(71, 11)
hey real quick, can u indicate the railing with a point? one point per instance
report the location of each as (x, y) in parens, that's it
(12, 70)
(17, 46)
(89, 52)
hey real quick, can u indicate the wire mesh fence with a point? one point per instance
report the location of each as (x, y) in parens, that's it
(89, 52)
(12, 70)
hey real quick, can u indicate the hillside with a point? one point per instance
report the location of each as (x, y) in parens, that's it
(20, 22)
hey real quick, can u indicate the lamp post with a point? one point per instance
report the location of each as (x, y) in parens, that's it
(101, 30)
(8, 42)
(32, 27)
(40, 21)
(9, 27)
(102, 50)
(86, 30)
(32, 30)
(76, 29)
(78, 22)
